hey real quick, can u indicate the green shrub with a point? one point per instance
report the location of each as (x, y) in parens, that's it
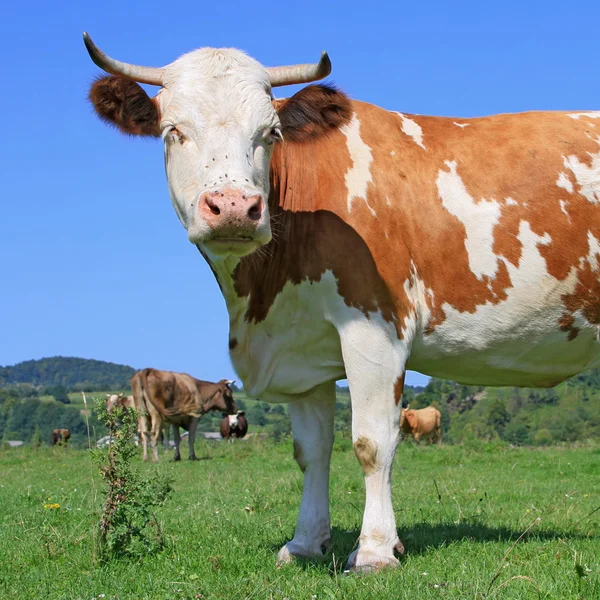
(127, 525)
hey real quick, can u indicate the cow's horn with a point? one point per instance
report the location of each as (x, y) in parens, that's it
(300, 73)
(150, 75)
(230, 381)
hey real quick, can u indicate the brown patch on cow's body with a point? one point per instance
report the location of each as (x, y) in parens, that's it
(567, 323)
(585, 298)
(399, 388)
(366, 452)
(124, 103)
(299, 455)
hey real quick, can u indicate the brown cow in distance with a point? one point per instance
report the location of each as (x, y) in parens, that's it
(234, 426)
(179, 399)
(58, 436)
(422, 423)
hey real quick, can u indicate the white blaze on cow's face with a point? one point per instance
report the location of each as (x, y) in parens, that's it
(219, 127)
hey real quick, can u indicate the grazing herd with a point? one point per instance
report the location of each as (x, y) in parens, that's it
(467, 249)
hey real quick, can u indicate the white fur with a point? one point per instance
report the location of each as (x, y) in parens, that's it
(564, 182)
(221, 101)
(478, 218)
(586, 176)
(374, 359)
(413, 130)
(358, 176)
(589, 115)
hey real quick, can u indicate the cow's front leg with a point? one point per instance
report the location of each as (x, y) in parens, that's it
(375, 360)
(192, 437)
(312, 427)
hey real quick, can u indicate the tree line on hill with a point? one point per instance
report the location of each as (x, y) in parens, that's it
(519, 416)
(73, 374)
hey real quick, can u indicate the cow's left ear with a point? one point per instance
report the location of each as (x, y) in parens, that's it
(312, 112)
(124, 104)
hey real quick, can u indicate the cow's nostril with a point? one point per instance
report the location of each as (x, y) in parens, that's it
(255, 211)
(214, 209)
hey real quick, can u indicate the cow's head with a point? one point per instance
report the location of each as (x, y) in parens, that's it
(222, 400)
(219, 123)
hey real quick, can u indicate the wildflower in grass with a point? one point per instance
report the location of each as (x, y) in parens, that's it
(52, 506)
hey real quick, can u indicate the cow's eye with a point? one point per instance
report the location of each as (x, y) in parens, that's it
(273, 135)
(172, 135)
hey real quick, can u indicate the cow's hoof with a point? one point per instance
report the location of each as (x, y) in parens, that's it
(177, 458)
(292, 550)
(364, 560)
(193, 458)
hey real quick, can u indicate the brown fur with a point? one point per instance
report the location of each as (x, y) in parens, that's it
(366, 452)
(123, 103)
(299, 455)
(399, 388)
(312, 112)
(58, 436)
(424, 422)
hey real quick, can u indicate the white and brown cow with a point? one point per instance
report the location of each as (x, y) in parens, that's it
(463, 248)
(178, 399)
(234, 426)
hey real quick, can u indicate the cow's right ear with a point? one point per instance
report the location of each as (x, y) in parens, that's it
(123, 103)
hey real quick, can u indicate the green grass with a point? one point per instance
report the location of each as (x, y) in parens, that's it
(460, 512)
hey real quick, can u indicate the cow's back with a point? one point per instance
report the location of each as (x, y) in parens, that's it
(171, 394)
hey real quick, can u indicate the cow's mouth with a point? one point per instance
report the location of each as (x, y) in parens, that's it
(239, 245)
(242, 239)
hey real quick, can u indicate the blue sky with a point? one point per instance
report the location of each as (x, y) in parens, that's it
(93, 260)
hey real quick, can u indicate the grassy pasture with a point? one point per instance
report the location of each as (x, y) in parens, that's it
(460, 513)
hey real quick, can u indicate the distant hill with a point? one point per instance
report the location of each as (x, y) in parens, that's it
(72, 373)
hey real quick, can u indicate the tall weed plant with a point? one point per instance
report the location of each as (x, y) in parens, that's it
(128, 526)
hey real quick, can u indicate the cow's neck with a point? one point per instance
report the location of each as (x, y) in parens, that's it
(224, 269)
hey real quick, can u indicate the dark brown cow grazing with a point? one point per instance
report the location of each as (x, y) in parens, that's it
(58, 436)
(179, 399)
(234, 426)
(467, 249)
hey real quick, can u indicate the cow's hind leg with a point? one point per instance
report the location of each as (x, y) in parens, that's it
(192, 438)
(312, 426)
(375, 362)
(177, 440)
